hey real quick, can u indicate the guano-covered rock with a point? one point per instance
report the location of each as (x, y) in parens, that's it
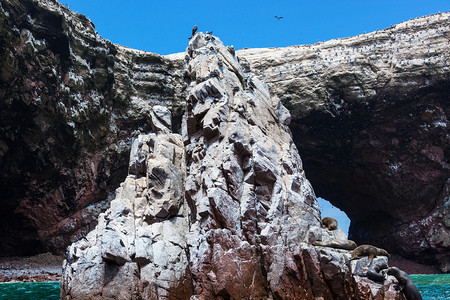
(223, 212)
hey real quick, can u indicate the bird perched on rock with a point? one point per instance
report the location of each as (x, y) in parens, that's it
(194, 30)
(231, 50)
(209, 32)
(278, 18)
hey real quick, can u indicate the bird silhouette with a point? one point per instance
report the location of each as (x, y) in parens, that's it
(194, 30)
(278, 18)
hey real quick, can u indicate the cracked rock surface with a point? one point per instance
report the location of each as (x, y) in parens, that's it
(138, 248)
(222, 212)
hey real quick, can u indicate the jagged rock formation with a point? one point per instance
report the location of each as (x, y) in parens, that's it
(137, 250)
(70, 102)
(370, 117)
(241, 225)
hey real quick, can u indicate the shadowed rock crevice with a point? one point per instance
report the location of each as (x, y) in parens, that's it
(376, 166)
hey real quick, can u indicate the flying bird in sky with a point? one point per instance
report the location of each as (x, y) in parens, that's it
(278, 18)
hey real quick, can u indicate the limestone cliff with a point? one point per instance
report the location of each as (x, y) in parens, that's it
(223, 212)
(71, 103)
(369, 117)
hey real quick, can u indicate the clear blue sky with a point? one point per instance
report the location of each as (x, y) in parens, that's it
(164, 26)
(329, 210)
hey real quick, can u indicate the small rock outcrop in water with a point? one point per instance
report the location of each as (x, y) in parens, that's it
(223, 212)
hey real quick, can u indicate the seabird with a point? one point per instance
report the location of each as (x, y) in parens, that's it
(209, 32)
(194, 30)
(278, 18)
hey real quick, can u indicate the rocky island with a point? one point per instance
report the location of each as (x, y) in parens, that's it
(179, 175)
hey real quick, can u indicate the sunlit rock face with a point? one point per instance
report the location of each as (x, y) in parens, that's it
(251, 205)
(138, 248)
(71, 102)
(370, 117)
(222, 212)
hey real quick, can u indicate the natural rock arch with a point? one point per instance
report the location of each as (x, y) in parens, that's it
(369, 117)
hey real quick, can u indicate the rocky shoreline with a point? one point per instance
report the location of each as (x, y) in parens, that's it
(41, 267)
(48, 267)
(412, 267)
(180, 177)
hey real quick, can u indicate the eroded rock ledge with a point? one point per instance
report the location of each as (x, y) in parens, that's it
(222, 212)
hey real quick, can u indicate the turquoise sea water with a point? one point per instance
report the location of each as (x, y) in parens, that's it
(30, 291)
(433, 286)
(430, 286)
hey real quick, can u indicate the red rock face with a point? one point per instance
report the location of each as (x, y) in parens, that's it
(66, 122)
